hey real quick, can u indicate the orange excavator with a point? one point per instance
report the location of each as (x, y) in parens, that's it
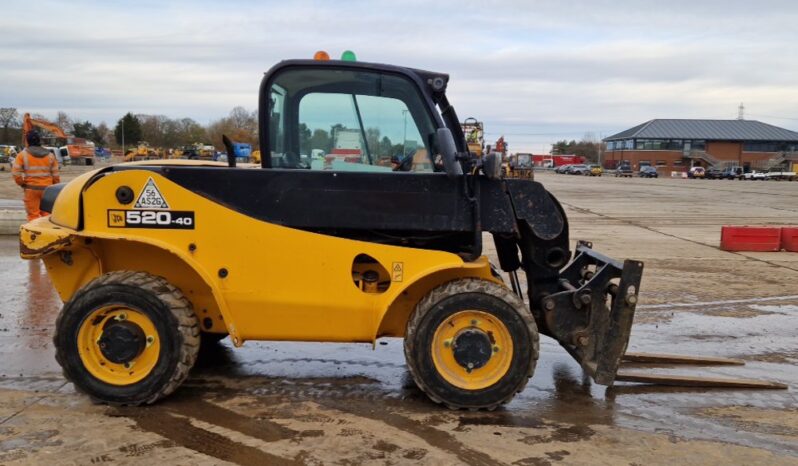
(29, 123)
(80, 151)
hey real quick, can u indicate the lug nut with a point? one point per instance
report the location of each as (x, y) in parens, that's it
(585, 299)
(474, 322)
(548, 305)
(447, 343)
(495, 349)
(631, 299)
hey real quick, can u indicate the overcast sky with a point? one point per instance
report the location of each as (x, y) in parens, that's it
(536, 71)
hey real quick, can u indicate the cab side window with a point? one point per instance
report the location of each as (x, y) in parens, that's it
(359, 133)
(350, 121)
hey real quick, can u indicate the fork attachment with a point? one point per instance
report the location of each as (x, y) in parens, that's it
(591, 316)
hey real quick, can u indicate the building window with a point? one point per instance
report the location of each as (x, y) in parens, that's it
(662, 163)
(629, 144)
(768, 146)
(678, 163)
(699, 144)
(657, 144)
(645, 163)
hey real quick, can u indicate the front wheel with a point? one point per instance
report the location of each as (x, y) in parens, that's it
(471, 343)
(127, 338)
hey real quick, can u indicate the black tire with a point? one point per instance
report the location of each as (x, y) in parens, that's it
(168, 310)
(471, 294)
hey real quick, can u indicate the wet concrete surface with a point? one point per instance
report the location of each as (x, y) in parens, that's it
(302, 403)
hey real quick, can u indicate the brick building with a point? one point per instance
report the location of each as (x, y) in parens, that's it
(679, 144)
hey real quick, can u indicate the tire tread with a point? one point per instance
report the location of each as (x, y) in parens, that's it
(180, 307)
(460, 286)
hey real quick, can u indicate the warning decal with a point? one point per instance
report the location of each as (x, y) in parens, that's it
(397, 271)
(151, 197)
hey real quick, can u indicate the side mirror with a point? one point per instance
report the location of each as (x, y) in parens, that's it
(448, 151)
(492, 166)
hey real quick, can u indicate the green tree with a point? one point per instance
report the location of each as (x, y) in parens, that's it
(320, 140)
(386, 147)
(189, 131)
(588, 148)
(85, 130)
(305, 137)
(128, 129)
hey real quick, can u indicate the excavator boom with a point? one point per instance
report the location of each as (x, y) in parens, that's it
(29, 123)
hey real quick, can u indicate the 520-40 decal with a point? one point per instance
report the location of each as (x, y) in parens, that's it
(164, 219)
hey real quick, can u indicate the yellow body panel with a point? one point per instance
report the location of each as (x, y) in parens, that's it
(35, 241)
(278, 283)
(66, 211)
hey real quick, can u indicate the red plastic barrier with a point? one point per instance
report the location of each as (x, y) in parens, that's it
(789, 239)
(758, 239)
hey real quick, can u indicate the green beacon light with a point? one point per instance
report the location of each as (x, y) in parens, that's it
(348, 55)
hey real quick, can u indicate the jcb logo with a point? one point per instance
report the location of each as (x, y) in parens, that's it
(116, 218)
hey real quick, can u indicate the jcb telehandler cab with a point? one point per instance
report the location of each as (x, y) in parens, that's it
(365, 220)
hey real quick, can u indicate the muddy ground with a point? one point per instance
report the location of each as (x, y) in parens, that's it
(279, 403)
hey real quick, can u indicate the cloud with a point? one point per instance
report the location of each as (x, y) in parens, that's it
(539, 70)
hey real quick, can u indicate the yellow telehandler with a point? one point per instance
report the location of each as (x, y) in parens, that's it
(153, 257)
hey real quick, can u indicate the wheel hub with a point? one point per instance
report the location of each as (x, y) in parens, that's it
(122, 342)
(472, 349)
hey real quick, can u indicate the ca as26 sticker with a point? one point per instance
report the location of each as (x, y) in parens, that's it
(164, 219)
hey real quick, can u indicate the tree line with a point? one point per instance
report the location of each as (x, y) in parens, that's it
(588, 147)
(240, 125)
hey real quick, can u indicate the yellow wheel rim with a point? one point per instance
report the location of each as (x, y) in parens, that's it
(89, 335)
(452, 330)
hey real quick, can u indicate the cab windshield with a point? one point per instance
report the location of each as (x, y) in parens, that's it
(348, 120)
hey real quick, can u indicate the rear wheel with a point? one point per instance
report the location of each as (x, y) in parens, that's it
(127, 338)
(472, 344)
